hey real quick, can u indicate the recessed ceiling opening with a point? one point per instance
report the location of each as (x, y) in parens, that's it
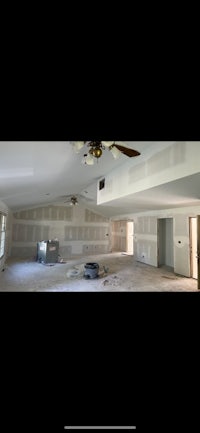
(102, 184)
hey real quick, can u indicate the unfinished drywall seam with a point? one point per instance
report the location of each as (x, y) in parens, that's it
(180, 159)
(147, 252)
(79, 230)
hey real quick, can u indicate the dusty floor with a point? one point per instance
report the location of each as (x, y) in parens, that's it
(118, 272)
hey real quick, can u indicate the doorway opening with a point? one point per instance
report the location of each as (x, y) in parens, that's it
(193, 247)
(122, 236)
(129, 237)
(165, 243)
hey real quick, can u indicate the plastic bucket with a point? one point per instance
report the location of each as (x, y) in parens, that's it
(91, 270)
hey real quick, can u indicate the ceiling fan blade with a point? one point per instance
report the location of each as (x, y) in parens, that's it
(82, 197)
(127, 151)
(110, 143)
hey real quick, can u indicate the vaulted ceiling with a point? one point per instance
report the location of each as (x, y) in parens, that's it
(35, 173)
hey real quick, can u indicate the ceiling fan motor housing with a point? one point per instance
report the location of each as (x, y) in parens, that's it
(95, 148)
(96, 152)
(74, 200)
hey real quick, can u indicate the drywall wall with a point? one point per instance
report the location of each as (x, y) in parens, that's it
(173, 161)
(78, 230)
(4, 209)
(145, 235)
(145, 239)
(182, 243)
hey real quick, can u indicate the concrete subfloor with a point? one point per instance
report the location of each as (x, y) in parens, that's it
(118, 273)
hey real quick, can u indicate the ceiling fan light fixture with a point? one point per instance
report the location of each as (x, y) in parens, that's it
(96, 152)
(88, 159)
(107, 143)
(78, 146)
(115, 152)
(73, 201)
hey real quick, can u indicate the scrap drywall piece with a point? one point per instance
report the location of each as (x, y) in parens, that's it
(76, 271)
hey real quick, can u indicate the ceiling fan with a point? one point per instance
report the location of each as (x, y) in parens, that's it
(96, 149)
(73, 199)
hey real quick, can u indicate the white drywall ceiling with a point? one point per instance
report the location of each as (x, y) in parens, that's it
(31, 170)
(179, 193)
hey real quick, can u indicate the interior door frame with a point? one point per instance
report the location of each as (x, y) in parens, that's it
(191, 250)
(198, 252)
(132, 236)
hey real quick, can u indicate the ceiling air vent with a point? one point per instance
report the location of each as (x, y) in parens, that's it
(102, 184)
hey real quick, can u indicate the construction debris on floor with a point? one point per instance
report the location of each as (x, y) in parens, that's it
(87, 271)
(116, 272)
